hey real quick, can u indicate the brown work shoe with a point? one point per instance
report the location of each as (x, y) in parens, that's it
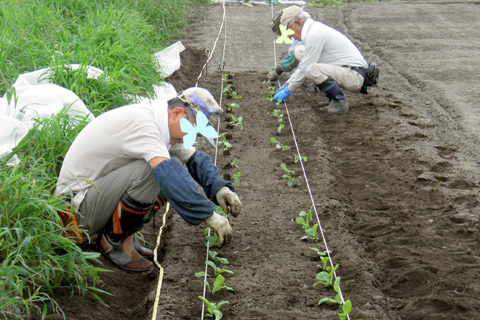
(144, 251)
(123, 253)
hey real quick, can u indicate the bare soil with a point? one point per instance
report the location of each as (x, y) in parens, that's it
(395, 180)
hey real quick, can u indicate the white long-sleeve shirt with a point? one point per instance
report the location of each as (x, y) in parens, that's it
(324, 44)
(114, 139)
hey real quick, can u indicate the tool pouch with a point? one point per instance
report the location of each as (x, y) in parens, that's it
(370, 76)
(72, 228)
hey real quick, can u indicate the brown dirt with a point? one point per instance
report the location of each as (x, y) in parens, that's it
(394, 181)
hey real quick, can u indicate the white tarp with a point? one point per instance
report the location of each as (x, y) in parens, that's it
(37, 98)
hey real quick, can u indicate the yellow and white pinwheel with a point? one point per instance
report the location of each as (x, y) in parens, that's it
(284, 37)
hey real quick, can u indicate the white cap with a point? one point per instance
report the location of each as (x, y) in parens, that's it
(199, 99)
(289, 14)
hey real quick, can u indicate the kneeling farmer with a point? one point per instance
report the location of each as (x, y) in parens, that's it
(126, 162)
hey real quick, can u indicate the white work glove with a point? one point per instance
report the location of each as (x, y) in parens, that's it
(229, 201)
(222, 227)
(272, 75)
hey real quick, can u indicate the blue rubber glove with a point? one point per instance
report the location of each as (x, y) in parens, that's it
(282, 94)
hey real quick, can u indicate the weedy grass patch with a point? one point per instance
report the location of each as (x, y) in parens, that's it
(118, 37)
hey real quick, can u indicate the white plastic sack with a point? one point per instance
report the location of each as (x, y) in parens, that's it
(37, 98)
(45, 100)
(169, 59)
(14, 127)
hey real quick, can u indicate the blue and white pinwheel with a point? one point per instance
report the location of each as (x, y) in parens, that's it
(191, 131)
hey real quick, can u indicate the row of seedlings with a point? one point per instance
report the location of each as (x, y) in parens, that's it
(326, 275)
(215, 278)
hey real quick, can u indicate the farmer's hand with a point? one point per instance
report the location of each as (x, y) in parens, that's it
(222, 227)
(229, 201)
(282, 93)
(272, 75)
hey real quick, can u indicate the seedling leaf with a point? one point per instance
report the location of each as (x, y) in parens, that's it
(347, 307)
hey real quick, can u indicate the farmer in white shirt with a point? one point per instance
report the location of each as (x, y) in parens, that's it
(128, 161)
(331, 61)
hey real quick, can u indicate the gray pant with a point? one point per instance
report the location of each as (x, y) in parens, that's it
(135, 178)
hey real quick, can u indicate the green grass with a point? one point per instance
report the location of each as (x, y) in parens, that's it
(117, 36)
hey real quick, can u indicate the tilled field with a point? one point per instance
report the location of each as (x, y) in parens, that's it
(394, 181)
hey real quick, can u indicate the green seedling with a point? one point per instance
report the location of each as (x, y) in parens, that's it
(213, 308)
(434, 187)
(217, 270)
(228, 89)
(280, 127)
(236, 95)
(237, 122)
(219, 210)
(234, 163)
(346, 307)
(236, 178)
(304, 218)
(218, 284)
(277, 114)
(323, 255)
(271, 93)
(278, 145)
(338, 297)
(297, 158)
(222, 137)
(326, 276)
(227, 76)
(227, 145)
(288, 175)
(232, 105)
(212, 240)
(215, 258)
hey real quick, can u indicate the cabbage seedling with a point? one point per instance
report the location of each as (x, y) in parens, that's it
(217, 270)
(271, 93)
(236, 95)
(346, 307)
(278, 145)
(288, 175)
(227, 145)
(218, 284)
(338, 298)
(236, 178)
(236, 121)
(277, 113)
(227, 90)
(297, 158)
(215, 258)
(211, 240)
(326, 277)
(323, 257)
(304, 219)
(231, 106)
(213, 308)
(234, 163)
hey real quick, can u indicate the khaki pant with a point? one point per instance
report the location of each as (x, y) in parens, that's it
(346, 78)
